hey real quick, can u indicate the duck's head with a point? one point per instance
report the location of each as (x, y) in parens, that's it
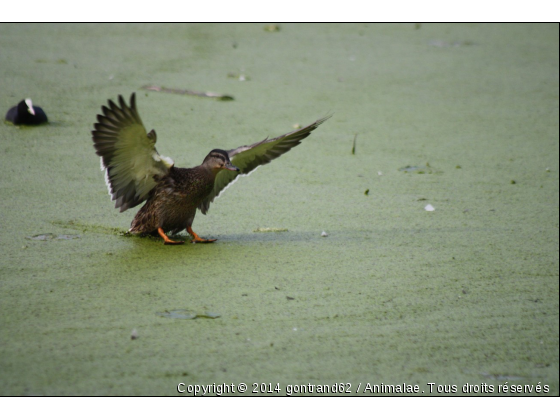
(218, 160)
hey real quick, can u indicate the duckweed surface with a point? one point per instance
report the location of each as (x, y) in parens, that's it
(466, 294)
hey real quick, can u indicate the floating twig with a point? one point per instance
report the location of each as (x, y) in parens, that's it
(211, 95)
(270, 230)
(354, 144)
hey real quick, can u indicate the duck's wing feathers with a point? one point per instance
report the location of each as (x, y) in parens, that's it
(249, 158)
(128, 154)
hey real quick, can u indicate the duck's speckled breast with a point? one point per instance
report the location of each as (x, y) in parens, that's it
(194, 184)
(174, 201)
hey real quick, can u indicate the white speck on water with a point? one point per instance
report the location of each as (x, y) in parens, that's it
(379, 173)
(324, 234)
(429, 207)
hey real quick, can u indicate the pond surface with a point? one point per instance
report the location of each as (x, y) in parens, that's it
(440, 115)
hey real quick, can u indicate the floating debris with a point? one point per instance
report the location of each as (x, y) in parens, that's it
(42, 237)
(429, 207)
(324, 234)
(49, 236)
(134, 334)
(512, 181)
(443, 44)
(366, 192)
(239, 76)
(187, 314)
(290, 298)
(209, 315)
(211, 95)
(65, 237)
(270, 230)
(354, 144)
(418, 169)
(272, 28)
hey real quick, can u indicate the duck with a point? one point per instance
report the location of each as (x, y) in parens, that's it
(136, 173)
(25, 113)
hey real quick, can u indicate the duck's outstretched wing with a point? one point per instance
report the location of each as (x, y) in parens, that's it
(128, 156)
(249, 158)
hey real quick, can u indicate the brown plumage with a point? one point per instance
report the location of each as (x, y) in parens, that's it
(135, 172)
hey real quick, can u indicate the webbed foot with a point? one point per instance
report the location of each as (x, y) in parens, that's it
(197, 239)
(166, 240)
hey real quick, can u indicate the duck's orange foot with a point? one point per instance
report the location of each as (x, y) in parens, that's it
(166, 240)
(170, 242)
(197, 239)
(203, 241)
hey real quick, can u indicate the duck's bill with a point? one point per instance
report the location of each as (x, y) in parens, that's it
(230, 167)
(30, 106)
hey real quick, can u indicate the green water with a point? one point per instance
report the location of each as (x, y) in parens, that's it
(467, 293)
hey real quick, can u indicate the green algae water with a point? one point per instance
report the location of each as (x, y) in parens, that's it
(392, 299)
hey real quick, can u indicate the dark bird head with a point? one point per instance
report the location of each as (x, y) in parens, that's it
(217, 160)
(26, 106)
